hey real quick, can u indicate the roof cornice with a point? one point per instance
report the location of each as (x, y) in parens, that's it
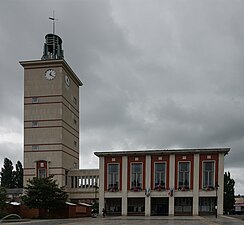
(162, 151)
(51, 62)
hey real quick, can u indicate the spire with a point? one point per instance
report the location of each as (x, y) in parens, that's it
(53, 44)
(53, 19)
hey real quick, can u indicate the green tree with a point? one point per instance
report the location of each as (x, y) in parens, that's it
(2, 198)
(18, 175)
(7, 174)
(44, 193)
(229, 192)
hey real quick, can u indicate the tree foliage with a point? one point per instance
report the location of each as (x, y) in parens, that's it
(229, 192)
(44, 193)
(18, 175)
(7, 174)
(2, 198)
(10, 178)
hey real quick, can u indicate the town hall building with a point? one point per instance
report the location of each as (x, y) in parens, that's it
(143, 182)
(162, 182)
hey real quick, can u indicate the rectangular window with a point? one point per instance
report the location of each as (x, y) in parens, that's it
(208, 175)
(184, 176)
(35, 147)
(34, 100)
(42, 173)
(160, 176)
(34, 124)
(136, 176)
(113, 177)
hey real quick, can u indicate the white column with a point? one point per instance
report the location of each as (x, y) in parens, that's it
(220, 191)
(148, 185)
(101, 184)
(171, 183)
(196, 185)
(124, 185)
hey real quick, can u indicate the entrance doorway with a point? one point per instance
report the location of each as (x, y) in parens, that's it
(136, 206)
(207, 205)
(113, 206)
(160, 206)
(183, 206)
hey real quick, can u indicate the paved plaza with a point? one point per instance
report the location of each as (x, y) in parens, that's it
(221, 220)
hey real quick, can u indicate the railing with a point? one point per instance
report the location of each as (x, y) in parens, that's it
(11, 218)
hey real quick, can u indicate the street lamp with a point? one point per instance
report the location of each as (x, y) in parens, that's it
(216, 207)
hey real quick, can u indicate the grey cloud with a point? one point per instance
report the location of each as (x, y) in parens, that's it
(156, 74)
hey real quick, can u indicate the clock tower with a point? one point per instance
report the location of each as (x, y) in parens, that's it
(51, 114)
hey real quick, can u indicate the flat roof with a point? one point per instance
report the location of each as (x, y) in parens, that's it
(161, 151)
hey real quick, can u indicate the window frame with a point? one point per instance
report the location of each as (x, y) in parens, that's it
(208, 187)
(182, 187)
(42, 169)
(35, 147)
(136, 188)
(35, 100)
(34, 123)
(159, 187)
(112, 189)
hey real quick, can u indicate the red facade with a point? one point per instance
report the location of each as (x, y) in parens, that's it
(160, 159)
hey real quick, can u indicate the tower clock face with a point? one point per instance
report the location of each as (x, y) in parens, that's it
(67, 80)
(50, 74)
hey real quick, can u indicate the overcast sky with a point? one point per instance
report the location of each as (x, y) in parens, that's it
(157, 74)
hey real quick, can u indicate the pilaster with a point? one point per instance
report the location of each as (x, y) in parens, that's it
(124, 185)
(148, 185)
(220, 191)
(196, 185)
(171, 183)
(101, 184)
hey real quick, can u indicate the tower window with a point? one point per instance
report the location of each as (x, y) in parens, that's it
(41, 169)
(75, 143)
(75, 122)
(42, 173)
(34, 100)
(35, 147)
(34, 124)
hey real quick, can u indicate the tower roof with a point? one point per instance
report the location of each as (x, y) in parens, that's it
(52, 47)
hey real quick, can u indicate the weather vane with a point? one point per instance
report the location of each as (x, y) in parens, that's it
(53, 19)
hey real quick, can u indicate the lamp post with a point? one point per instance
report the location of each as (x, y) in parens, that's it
(216, 207)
